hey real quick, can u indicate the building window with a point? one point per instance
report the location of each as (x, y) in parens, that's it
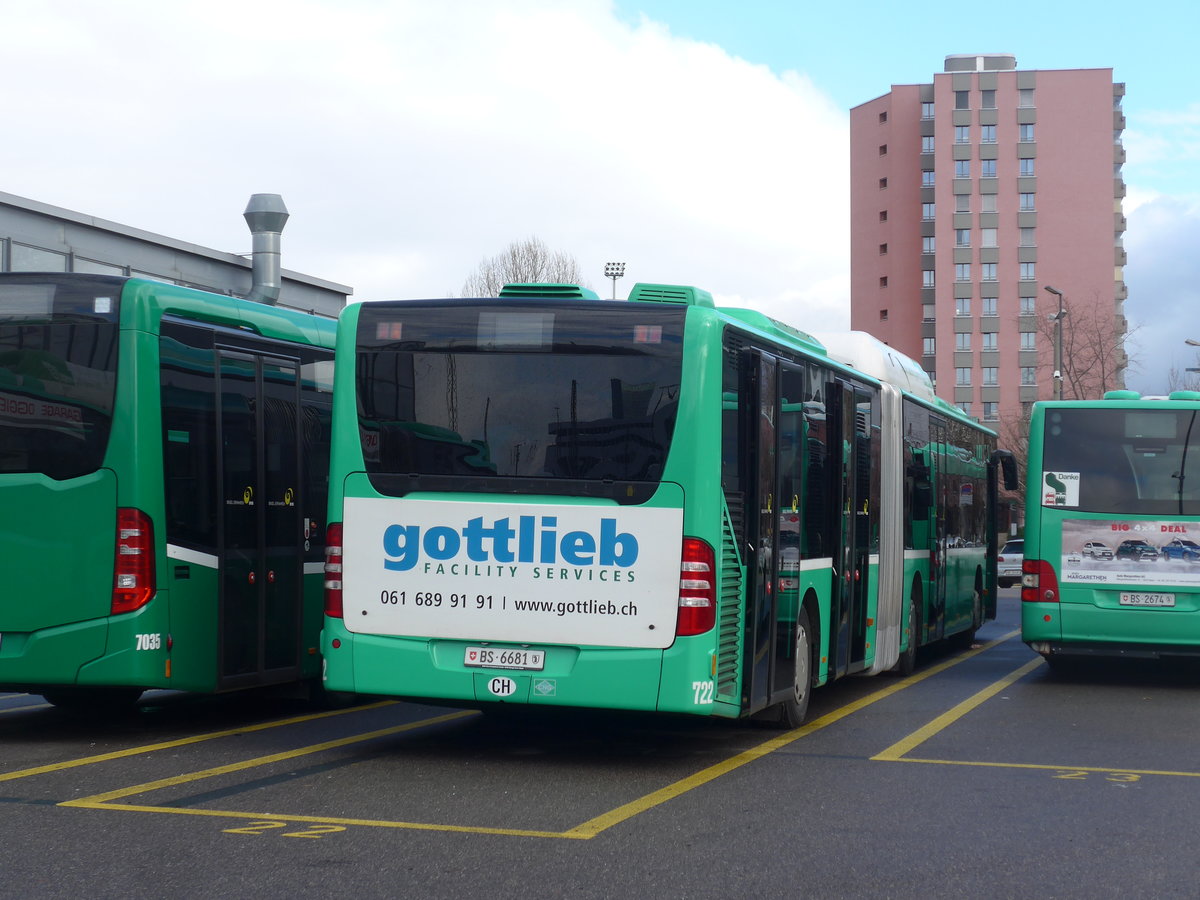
(965, 407)
(1028, 237)
(1026, 410)
(928, 346)
(927, 144)
(962, 237)
(883, 215)
(962, 341)
(927, 243)
(987, 271)
(989, 306)
(987, 203)
(991, 411)
(987, 237)
(927, 278)
(962, 99)
(928, 312)
(962, 168)
(1026, 167)
(927, 110)
(987, 134)
(987, 99)
(927, 178)
(927, 211)
(962, 376)
(883, 281)
(1028, 340)
(1026, 202)
(882, 118)
(991, 340)
(1029, 306)
(991, 376)
(987, 168)
(1025, 133)
(883, 315)
(883, 184)
(962, 202)
(883, 249)
(962, 306)
(1028, 271)
(962, 134)
(1025, 97)
(1028, 375)
(962, 271)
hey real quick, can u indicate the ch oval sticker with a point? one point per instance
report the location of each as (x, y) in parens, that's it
(502, 686)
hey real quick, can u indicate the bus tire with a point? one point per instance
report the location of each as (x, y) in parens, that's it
(794, 710)
(907, 662)
(98, 700)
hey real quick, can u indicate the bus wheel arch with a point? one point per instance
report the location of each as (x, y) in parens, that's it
(908, 658)
(794, 710)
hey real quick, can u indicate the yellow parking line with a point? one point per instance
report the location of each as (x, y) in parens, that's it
(28, 706)
(584, 831)
(182, 742)
(1001, 765)
(99, 799)
(921, 735)
(594, 826)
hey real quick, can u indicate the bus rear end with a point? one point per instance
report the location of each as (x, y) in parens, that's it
(508, 529)
(1112, 544)
(71, 557)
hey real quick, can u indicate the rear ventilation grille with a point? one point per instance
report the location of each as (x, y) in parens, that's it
(552, 291)
(670, 293)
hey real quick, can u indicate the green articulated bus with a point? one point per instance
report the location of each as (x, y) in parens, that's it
(1112, 531)
(655, 504)
(163, 472)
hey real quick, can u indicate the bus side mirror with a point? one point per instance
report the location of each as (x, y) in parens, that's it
(1008, 468)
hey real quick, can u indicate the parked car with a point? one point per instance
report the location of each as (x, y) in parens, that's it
(1135, 548)
(1008, 563)
(1180, 548)
(1097, 550)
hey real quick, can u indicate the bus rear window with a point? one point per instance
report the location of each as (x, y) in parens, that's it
(58, 368)
(487, 391)
(1132, 462)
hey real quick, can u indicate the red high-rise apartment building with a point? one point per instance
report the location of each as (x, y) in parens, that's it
(971, 197)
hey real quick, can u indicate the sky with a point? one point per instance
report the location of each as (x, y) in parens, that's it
(700, 142)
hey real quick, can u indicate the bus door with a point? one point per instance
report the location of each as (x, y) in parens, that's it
(939, 540)
(260, 566)
(759, 432)
(850, 436)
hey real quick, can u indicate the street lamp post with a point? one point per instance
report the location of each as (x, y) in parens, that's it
(1058, 339)
(614, 271)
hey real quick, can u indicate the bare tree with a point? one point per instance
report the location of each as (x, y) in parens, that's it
(1185, 380)
(529, 262)
(1093, 350)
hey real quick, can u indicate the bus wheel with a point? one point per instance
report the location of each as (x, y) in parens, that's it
(908, 658)
(795, 709)
(98, 700)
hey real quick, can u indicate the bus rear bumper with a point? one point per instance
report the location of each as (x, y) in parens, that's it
(51, 656)
(434, 670)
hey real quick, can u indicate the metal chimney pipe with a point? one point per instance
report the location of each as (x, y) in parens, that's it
(266, 215)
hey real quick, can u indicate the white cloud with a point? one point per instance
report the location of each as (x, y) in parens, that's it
(411, 139)
(1163, 276)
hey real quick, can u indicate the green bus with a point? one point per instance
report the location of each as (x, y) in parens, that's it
(163, 471)
(1112, 530)
(655, 504)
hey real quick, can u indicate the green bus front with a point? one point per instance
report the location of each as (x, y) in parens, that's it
(524, 515)
(1112, 539)
(163, 460)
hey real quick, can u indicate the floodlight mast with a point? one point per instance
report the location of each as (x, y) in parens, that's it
(614, 270)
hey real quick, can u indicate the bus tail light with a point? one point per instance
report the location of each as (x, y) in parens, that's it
(1039, 582)
(133, 571)
(697, 588)
(333, 570)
